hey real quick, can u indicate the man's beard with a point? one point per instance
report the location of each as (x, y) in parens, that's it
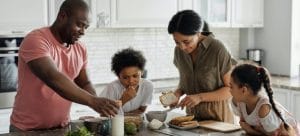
(70, 41)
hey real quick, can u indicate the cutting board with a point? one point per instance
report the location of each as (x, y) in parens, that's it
(219, 126)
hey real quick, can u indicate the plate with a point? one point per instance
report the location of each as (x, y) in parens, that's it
(182, 128)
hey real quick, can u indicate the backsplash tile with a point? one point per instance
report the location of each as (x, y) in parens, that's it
(156, 44)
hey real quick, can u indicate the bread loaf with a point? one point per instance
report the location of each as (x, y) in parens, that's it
(167, 99)
(189, 124)
(177, 120)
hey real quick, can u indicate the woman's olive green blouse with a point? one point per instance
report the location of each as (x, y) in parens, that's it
(205, 75)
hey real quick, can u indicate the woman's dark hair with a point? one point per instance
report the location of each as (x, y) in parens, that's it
(126, 58)
(254, 77)
(188, 22)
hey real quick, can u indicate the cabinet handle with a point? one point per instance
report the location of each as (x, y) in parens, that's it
(8, 54)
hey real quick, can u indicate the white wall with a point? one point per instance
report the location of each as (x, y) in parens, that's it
(156, 44)
(275, 36)
(295, 63)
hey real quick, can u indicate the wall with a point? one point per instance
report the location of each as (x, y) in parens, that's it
(156, 44)
(274, 37)
(295, 62)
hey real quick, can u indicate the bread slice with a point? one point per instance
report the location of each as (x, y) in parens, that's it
(168, 98)
(177, 120)
(189, 124)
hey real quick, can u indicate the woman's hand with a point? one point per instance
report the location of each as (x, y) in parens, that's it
(190, 101)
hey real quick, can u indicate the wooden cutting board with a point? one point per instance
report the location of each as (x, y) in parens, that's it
(219, 126)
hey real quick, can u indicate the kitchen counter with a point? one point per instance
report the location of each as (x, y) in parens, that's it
(286, 82)
(292, 83)
(144, 131)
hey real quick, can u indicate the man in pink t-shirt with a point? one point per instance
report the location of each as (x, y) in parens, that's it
(52, 73)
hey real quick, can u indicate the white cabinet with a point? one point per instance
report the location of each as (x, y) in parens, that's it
(283, 96)
(142, 13)
(54, 6)
(20, 16)
(216, 12)
(231, 13)
(138, 13)
(289, 99)
(295, 106)
(247, 13)
(4, 120)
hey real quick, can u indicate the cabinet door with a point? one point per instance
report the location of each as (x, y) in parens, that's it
(22, 15)
(247, 13)
(216, 12)
(54, 6)
(142, 13)
(185, 4)
(283, 96)
(103, 13)
(295, 107)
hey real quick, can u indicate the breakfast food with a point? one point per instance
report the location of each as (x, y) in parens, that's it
(168, 98)
(188, 124)
(137, 120)
(178, 120)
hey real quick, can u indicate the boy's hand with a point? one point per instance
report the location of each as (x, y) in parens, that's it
(128, 94)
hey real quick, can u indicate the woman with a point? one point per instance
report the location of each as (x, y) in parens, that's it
(134, 92)
(203, 64)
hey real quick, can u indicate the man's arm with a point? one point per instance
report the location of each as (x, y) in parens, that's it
(83, 81)
(45, 70)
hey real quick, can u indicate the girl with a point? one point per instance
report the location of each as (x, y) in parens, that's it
(134, 92)
(259, 115)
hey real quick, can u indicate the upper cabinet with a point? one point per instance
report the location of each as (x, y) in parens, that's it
(142, 13)
(23, 16)
(157, 13)
(216, 12)
(20, 16)
(231, 13)
(247, 13)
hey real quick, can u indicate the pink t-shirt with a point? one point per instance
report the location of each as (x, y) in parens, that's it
(36, 105)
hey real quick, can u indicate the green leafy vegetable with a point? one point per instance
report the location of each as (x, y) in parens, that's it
(82, 131)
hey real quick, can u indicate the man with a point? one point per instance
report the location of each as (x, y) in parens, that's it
(52, 73)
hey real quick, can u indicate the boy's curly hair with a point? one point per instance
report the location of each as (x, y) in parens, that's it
(126, 58)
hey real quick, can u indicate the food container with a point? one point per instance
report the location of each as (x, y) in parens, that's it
(159, 115)
(98, 126)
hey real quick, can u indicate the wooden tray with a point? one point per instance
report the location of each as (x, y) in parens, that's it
(219, 126)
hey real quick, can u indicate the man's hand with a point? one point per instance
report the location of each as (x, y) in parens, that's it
(128, 94)
(190, 101)
(104, 106)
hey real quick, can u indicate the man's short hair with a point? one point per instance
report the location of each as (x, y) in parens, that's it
(69, 6)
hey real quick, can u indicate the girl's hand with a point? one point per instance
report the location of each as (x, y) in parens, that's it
(190, 101)
(245, 126)
(287, 132)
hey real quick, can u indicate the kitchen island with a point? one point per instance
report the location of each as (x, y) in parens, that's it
(143, 132)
